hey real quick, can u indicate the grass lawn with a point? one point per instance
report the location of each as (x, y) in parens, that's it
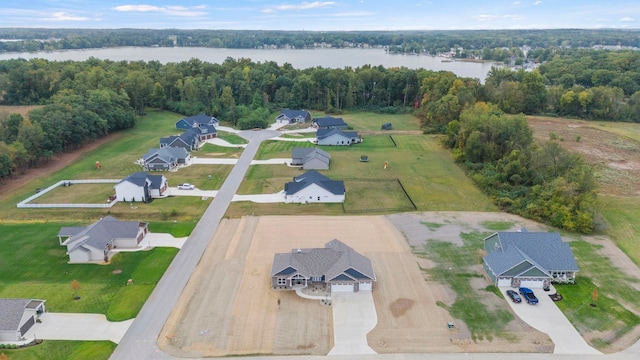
(231, 138)
(77, 194)
(483, 322)
(622, 215)
(40, 270)
(216, 151)
(362, 121)
(62, 349)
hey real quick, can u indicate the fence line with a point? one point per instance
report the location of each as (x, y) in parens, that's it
(25, 203)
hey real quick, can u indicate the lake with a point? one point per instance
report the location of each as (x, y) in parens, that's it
(300, 59)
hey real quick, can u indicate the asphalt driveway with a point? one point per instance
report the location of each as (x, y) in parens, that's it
(546, 317)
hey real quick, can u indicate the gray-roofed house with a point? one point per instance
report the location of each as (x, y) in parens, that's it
(529, 259)
(329, 122)
(165, 158)
(288, 116)
(141, 186)
(335, 137)
(193, 121)
(17, 317)
(310, 158)
(94, 243)
(313, 187)
(337, 267)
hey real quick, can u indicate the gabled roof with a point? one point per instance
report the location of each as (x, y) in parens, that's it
(542, 250)
(329, 121)
(11, 311)
(100, 233)
(168, 154)
(292, 114)
(141, 178)
(335, 260)
(307, 154)
(199, 119)
(313, 177)
(325, 133)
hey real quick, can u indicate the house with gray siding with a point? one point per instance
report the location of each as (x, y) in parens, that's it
(196, 120)
(288, 116)
(165, 158)
(528, 259)
(17, 317)
(335, 137)
(329, 122)
(310, 158)
(94, 243)
(336, 267)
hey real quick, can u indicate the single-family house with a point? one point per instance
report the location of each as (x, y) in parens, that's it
(313, 187)
(193, 121)
(337, 267)
(386, 126)
(287, 116)
(335, 137)
(528, 259)
(17, 317)
(165, 158)
(310, 158)
(94, 243)
(188, 140)
(329, 122)
(141, 186)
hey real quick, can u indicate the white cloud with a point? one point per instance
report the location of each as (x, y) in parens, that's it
(627, 19)
(302, 6)
(175, 10)
(537, 3)
(498, 17)
(516, 3)
(63, 16)
(353, 14)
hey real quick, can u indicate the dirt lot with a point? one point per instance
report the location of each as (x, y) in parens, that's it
(615, 156)
(228, 307)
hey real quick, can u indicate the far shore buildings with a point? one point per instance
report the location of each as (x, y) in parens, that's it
(336, 268)
(95, 243)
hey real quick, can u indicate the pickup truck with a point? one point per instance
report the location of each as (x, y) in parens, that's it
(528, 295)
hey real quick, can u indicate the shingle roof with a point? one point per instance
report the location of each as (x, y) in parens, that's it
(199, 119)
(292, 114)
(307, 154)
(100, 233)
(12, 310)
(329, 121)
(544, 250)
(140, 178)
(167, 153)
(335, 187)
(334, 260)
(324, 133)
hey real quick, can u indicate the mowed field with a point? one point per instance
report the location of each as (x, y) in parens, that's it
(229, 308)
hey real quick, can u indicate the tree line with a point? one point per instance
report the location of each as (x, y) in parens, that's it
(433, 42)
(85, 100)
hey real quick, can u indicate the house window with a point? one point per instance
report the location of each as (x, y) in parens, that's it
(318, 198)
(282, 281)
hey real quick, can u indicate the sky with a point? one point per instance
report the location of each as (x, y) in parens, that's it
(336, 15)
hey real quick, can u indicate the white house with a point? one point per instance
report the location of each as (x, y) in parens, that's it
(310, 158)
(336, 137)
(94, 243)
(17, 317)
(313, 187)
(141, 186)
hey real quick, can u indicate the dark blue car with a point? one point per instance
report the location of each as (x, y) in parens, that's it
(528, 295)
(514, 296)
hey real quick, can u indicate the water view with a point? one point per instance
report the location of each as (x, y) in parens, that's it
(301, 59)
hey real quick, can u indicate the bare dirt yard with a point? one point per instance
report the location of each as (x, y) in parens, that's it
(615, 156)
(229, 308)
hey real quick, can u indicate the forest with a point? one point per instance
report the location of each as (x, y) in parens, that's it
(83, 101)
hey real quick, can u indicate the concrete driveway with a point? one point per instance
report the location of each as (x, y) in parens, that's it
(67, 326)
(546, 317)
(354, 315)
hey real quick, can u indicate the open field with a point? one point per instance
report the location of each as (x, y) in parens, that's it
(77, 194)
(361, 121)
(244, 318)
(612, 148)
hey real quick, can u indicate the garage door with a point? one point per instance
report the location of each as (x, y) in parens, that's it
(531, 283)
(342, 287)
(504, 282)
(365, 286)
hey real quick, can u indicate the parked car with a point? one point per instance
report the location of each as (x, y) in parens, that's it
(514, 296)
(528, 295)
(186, 186)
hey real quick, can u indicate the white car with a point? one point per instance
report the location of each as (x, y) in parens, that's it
(186, 186)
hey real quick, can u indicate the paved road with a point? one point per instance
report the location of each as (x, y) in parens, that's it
(140, 340)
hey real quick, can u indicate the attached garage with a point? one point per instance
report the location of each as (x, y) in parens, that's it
(504, 282)
(341, 287)
(366, 286)
(537, 283)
